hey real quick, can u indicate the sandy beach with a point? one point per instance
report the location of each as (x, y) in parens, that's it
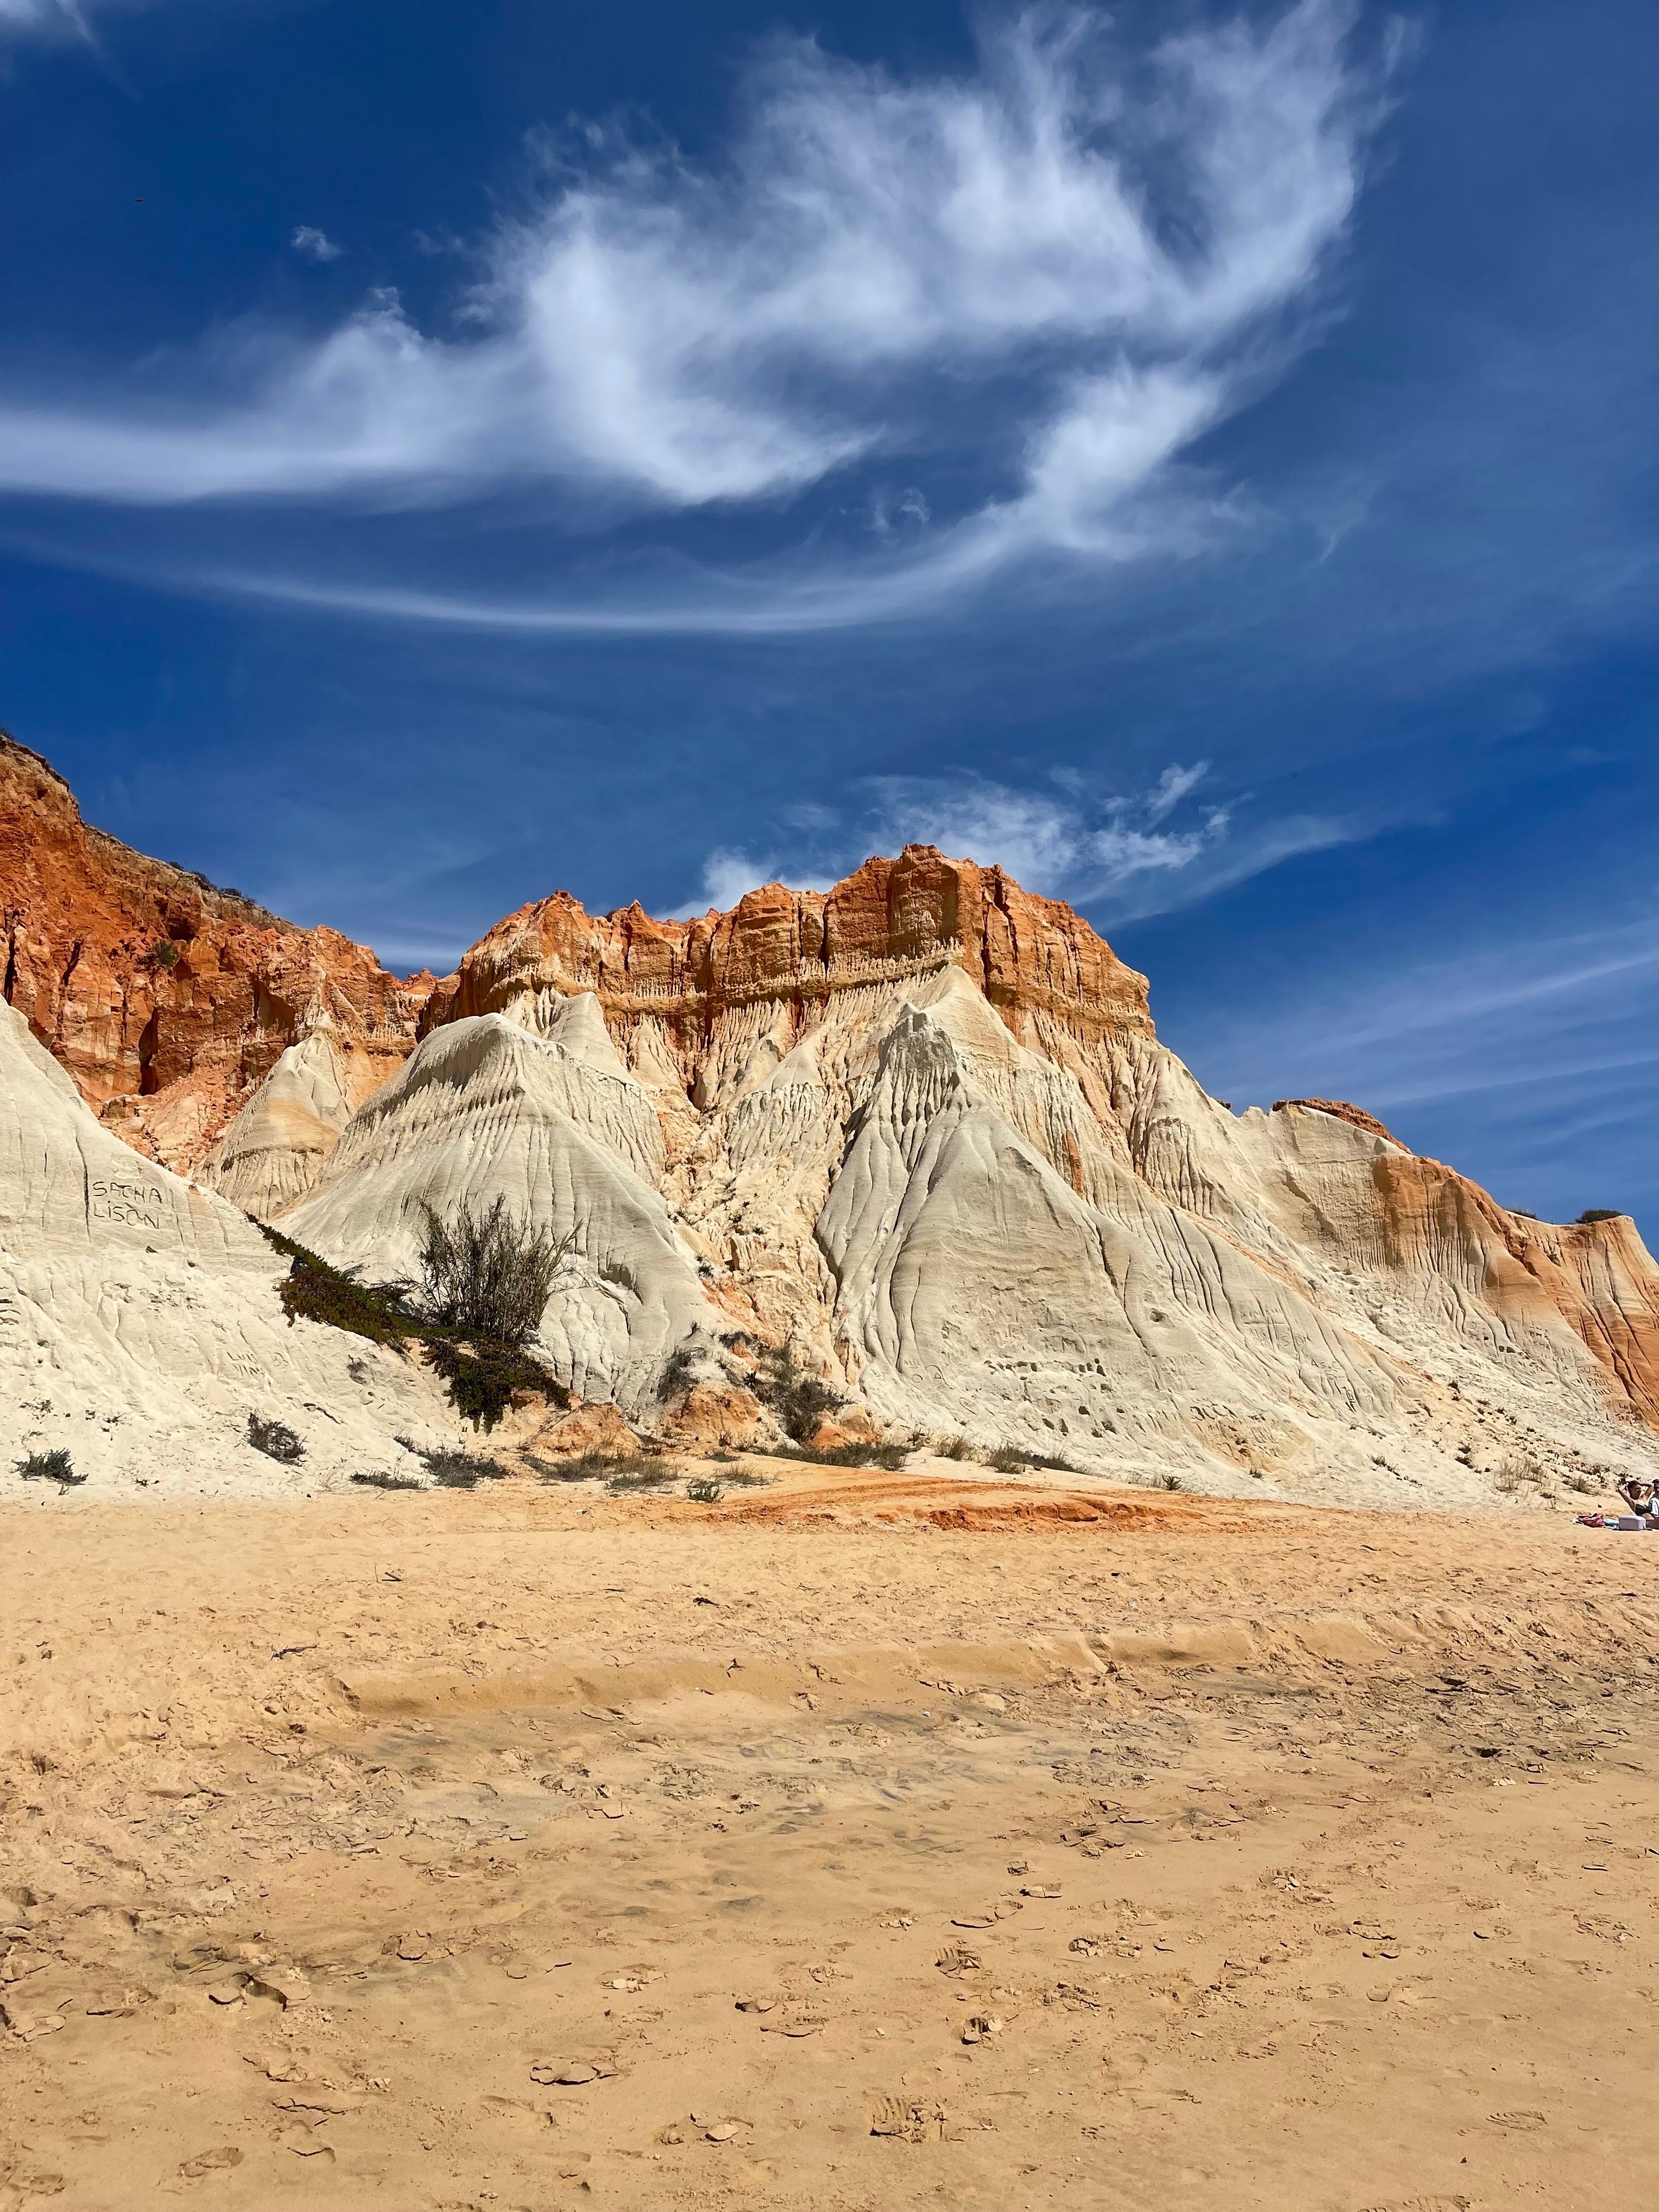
(806, 1850)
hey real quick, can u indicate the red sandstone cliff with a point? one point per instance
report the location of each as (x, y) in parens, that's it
(890, 917)
(166, 999)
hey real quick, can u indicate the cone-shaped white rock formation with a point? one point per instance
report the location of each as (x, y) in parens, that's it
(555, 1124)
(279, 1144)
(139, 1324)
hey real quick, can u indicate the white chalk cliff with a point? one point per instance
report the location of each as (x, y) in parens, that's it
(974, 1189)
(920, 1127)
(140, 1323)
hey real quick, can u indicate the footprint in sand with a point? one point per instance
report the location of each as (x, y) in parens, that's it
(1425, 2204)
(906, 2119)
(211, 2161)
(574, 2073)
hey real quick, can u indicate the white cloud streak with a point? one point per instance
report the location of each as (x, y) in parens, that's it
(314, 244)
(1066, 267)
(43, 23)
(1107, 851)
(42, 19)
(1511, 1017)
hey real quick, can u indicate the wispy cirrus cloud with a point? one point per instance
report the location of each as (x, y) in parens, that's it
(315, 245)
(45, 21)
(1537, 1049)
(42, 19)
(1123, 856)
(1043, 281)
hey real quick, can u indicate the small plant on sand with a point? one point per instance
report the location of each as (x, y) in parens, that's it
(50, 1466)
(275, 1439)
(1598, 1213)
(487, 1273)
(1010, 1459)
(705, 1490)
(799, 1398)
(462, 1470)
(376, 1480)
(953, 1448)
(634, 1472)
(1170, 1482)
(891, 1456)
(1520, 1471)
(587, 1467)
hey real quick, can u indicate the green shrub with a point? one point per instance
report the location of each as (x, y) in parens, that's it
(704, 1492)
(378, 1481)
(799, 1398)
(954, 1448)
(488, 1273)
(678, 1370)
(1170, 1482)
(637, 1473)
(50, 1466)
(275, 1439)
(481, 1372)
(483, 1375)
(461, 1470)
(317, 1291)
(891, 1456)
(1012, 1459)
(1599, 1213)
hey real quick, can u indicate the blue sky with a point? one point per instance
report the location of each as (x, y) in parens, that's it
(1202, 459)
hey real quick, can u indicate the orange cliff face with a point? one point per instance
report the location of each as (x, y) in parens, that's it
(890, 918)
(167, 999)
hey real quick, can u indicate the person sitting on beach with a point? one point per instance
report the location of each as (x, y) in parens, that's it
(1642, 1497)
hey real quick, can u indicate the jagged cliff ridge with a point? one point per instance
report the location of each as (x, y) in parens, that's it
(167, 999)
(920, 1126)
(892, 920)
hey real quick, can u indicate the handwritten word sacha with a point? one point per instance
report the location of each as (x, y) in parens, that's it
(138, 1204)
